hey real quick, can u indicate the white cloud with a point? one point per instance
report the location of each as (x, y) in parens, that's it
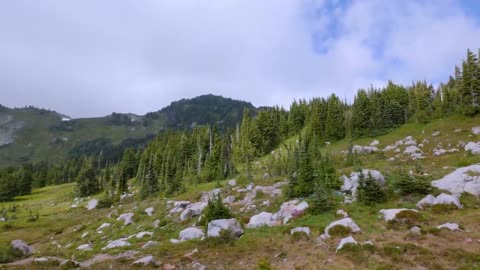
(90, 58)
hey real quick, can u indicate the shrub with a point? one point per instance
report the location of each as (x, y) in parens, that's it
(409, 185)
(339, 230)
(322, 201)
(215, 210)
(297, 236)
(408, 217)
(443, 208)
(264, 264)
(369, 191)
(105, 202)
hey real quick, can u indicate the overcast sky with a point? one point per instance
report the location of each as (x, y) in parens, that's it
(90, 58)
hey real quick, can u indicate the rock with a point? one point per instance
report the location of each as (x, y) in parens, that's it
(103, 226)
(259, 220)
(229, 200)
(465, 179)
(156, 223)
(148, 260)
(346, 222)
(428, 200)
(193, 210)
(149, 211)
(250, 186)
(409, 141)
(449, 226)
(473, 148)
(84, 235)
(198, 266)
(85, 247)
(391, 214)
(415, 230)
(117, 243)
(351, 184)
(186, 214)
(412, 149)
(92, 204)
(389, 148)
(127, 218)
(436, 133)
(457, 130)
(215, 226)
(476, 130)
(21, 246)
(212, 194)
(141, 235)
(342, 213)
(304, 230)
(364, 149)
(266, 176)
(191, 233)
(232, 182)
(169, 267)
(345, 241)
(40, 260)
(447, 199)
(150, 244)
(175, 241)
(191, 254)
(126, 196)
(289, 210)
(374, 143)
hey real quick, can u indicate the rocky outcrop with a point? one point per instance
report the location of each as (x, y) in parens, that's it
(191, 233)
(449, 226)
(289, 210)
(21, 246)
(304, 230)
(346, 222)
(231, 225)
(465, 179)
(346, 241)
(127, 218)
(259, 220)
(391, 214)
(473, 148)
(193, 210)
(351, 184)
(444, 199)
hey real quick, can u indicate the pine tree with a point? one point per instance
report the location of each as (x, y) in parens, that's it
(87, 182)
(369, 191)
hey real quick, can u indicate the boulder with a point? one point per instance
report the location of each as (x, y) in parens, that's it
(447, 199)
(117, 243)
(412, 149)
(85, 247)
(150, 244)
(186, 214)
(232, 182)
(289, 210)
(141, 235)
(21, 246)
(148, 260)
(215, 226)
(342, 213)
(92, 204)
(346, 222)
(436, 133)
(450, 226)
(149, 211)
(193, 210)
(389, 148)
(198, 266)
(191, 233)
(465, 179)
(476, 130)
(212, 194)
(409, 141)
(351, 184)
(345, 241)
(391, 214)
(428, 200)
(84, 235)
(127, 218)
(304, 230)
(229, 200)
(415, 230)
(374, 143)
(473, 147)
(103, 226)
(259, 220)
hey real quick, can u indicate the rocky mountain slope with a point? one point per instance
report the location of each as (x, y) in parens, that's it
(269, 230)
(33, 135)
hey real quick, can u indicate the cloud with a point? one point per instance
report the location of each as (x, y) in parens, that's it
(89, 58)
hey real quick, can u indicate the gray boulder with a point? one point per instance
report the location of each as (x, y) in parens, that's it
(191, 233)
(232, 225)
(92, 204)
(21, 246)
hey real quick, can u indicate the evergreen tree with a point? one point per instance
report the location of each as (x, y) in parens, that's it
(369, 191)
(87, 182)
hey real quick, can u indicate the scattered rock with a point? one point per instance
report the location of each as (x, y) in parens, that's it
(476, 130)
(289, 210)
(266, 176)
(443, 198)
(149, 211)
(141, 235)
(436, 133)
(305, 230)
(457, 130)
(212, 194)
(345, 241)
(259, 220)
(232, 182)
(191, 233)
(415, 230)
(198, 266)
(215, 226)
(21, 246)
(450, 226)
(156, 223)
(229, 200)
(428, 200)
(346, 222)
(473, 147)
(465, 179)
(148, 260)
(117, 243)
(84, 235)
(364, 149)
(85, 247)
(92, 204)
(103, 226)
(127, 218)
(342, 213)
(150, 244)
(391, 214)
(169, 267)
(351, 184)
(374, 143)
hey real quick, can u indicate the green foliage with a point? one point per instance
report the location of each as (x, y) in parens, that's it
(264, 264)
(87, 182)
(410, 185)
(339, 230)
(369, 191)
(322, 201)
(215, 210)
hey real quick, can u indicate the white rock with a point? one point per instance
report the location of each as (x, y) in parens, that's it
(198, 266)
(412, 149)
(346, 222)
(148, 260)
(156, 223)
(175, 241)
(447, 199)
(305, 230)
(391, 214)
(229, 200)
(103, 226)
(389, 148)
(250, 186)
(428, 200)
(212, 194)
(141, 235)
(40, 260)
(457, 130)
(186, 214)
(232, 182)
(85, 247)
(215, 226)
(415, 230)
(473, 148)
(436, 133)
(117, 243)
(150, 244)
(289, 210)
(127, 218)
(476, 130)
(450, 226)
(92, 204)
(409, 141)
(374, 143)
(84, 235)
(191, 233)
(21, 246)
(342, 212)
(346, 240)
(126, 196)
(259, 220)
(149, 211)
(351, 184)
(465, 179)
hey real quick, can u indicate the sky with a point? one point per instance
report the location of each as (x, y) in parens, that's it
(88, 58)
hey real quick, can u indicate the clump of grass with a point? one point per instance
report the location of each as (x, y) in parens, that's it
(339, 230)
(264, 264)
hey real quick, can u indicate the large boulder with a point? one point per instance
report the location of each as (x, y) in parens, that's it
(212, 194)
(391, 214)
(191, 233)
(21, 246)
(347, 240)
(193, 210)
(127, 218)
(289, 210)
(232, 225)
(447, 199)
(149, 211)
(346, 222)
(449, 226)
(465, 179)
(473, 147)
(351, 184)
(92, 204)
(259, 220)
(305, 230)
(428, 200)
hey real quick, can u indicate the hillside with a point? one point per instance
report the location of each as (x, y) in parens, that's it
(65, 229)
(33, 135)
